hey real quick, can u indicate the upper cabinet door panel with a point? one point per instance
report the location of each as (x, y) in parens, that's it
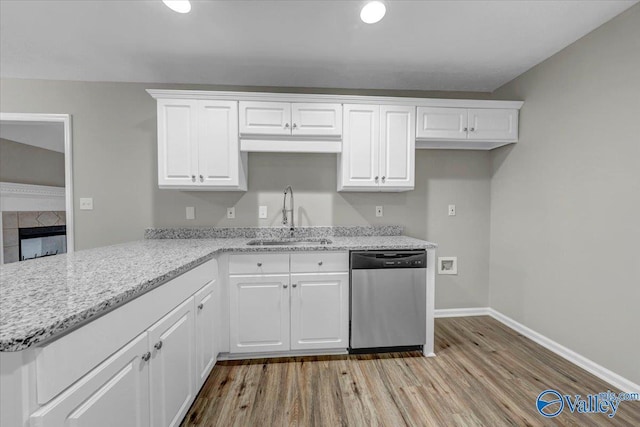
(397, 146)
(177, 135)
(361, 145)
(265, 118)
(218, 143)
(316, 119)
(493, 124)
(442, 123)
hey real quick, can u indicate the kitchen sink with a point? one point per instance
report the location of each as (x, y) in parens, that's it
(288, 242)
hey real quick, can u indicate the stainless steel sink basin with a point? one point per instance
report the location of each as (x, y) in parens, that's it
(288, 242)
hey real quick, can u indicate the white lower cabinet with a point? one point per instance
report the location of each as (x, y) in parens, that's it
(116, 393)
(172, 365)
(206, 337)
(304, 308)
(259, 310)
(319, 311)
(151, 381)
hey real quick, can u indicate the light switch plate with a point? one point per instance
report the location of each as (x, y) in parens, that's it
(262, 212)
(86, 203)
(452, 210)
(379, 211)
(231, 213)
(191, 212)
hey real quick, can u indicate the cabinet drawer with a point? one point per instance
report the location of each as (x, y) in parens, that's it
(259, 263)
(318, 262)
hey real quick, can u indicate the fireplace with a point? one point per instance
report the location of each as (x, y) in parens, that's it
(38, 242)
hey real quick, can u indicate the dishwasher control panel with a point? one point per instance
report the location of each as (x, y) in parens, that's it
(383, 259)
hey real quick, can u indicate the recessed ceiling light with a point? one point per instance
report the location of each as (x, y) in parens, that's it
(373, 12)
(180, 6)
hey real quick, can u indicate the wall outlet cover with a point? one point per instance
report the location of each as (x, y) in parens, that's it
(231, 213)
(86, 203)
(262, 212)
(191, 212)
(452, 210)
(379, 211)
(448, 265)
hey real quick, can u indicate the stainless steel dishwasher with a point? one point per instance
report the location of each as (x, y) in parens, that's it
(388, 300)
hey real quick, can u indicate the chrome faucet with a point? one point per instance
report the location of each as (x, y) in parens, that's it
(285, 219)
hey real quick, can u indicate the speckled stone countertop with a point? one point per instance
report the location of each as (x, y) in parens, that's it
(42, 298)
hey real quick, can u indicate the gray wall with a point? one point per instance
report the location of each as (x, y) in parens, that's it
(114, 153)
(565, 200)
(26, 164)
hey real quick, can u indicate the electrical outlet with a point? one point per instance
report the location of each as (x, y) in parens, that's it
(86, 203)
(191, 212)
(452, 210)
(231, 213)
(262, 212)
(379, 211)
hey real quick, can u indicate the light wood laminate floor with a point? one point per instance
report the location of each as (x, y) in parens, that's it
(484, 374)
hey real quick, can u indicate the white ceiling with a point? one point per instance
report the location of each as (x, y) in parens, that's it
(427, 45)
(47, 135)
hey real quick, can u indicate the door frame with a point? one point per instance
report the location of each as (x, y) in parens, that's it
(65, 119)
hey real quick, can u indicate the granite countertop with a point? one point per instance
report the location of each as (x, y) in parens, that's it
(42, 298)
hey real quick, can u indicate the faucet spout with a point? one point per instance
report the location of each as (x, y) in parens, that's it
(285, 218)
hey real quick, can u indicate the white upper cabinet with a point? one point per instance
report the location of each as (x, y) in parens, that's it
(493, 124)
(198, 145)
(219, 160)
(378, 148)
(442, 123)
(290, 119)
(177, 142)
(265, 118)
(397, 147)
(466, 128)
(359, 164)
(308, 119)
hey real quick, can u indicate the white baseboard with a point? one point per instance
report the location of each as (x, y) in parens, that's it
(461, 312)
(617, 381)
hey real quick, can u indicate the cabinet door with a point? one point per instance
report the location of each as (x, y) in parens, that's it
(259, 313)
(319, 311)
(265, 118)
(316, 119)
(172, 365)
(177, 142)
(493, 124)
(116, 393)
(206, 337)
(397, 147)
(442, 123)
(218, 144)
(359, 162)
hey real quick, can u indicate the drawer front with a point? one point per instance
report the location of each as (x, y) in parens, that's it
(258, 263)
(319, 262)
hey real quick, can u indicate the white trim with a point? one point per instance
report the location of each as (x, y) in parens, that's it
(588, 365)
(462, 312)
(290, 146)
(27, 197)
(345, 99)
(65, 119)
